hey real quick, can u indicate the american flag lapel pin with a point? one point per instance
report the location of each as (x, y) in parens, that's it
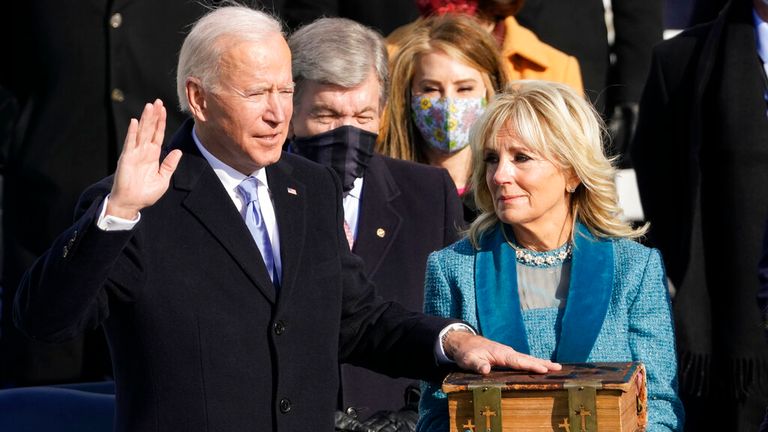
(292, 191)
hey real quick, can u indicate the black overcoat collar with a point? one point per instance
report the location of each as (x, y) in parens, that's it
(207, 200)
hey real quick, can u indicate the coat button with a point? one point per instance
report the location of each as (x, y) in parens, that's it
(116, 20)
(117, 95)
(285, 405)
(279, 328)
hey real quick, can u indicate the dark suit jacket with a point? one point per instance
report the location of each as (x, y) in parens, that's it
(407, 210)
(199, 337)
(700, 155)
(578, 28)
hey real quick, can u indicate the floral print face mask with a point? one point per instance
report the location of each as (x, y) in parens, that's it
(444, 123)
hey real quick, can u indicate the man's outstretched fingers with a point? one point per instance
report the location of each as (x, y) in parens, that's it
(130, 137)
(147, 116)
(148, 123)
(527, 362)
(476, 353)
(170, 163)
(159, 132)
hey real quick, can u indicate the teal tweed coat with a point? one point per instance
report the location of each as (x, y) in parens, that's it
(618, 309)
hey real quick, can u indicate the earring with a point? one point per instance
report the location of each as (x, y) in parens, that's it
(570, 189)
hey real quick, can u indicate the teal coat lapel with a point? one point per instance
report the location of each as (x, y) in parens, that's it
(499, 314)
(589, 293)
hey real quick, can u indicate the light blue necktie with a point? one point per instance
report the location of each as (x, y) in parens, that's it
(255, 222)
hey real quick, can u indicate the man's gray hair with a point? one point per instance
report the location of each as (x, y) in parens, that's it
(338, 51)
(202, 49)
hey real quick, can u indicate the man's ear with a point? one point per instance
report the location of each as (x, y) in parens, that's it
(196, 96)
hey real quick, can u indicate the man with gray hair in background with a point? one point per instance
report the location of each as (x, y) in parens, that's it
(396, 212)
(219, 267)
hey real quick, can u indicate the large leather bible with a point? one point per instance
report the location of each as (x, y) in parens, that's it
(582, 397)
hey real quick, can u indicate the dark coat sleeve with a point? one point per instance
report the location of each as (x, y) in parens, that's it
(661, 152)
(65, 291)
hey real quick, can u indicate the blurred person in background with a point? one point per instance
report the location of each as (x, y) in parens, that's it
(613, 72)
(381, 15)
(700, 154)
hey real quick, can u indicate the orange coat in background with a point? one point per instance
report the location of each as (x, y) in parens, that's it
(526, 57)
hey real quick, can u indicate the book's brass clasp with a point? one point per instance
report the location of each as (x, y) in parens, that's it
(582, 405)
(486, 402)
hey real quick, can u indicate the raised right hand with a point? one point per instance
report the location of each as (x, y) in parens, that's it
(141, 179)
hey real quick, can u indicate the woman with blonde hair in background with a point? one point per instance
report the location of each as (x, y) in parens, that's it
(523, 54)
(443, 76)
(548, 267)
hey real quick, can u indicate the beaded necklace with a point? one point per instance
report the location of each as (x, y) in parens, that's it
(540, 259)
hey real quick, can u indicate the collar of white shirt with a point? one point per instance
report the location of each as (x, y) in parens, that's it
(352, 206)
(229, 177)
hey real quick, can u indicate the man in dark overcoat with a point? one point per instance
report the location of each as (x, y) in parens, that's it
(701, 155)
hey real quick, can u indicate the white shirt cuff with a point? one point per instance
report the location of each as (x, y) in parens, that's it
(439, 350)
(114, 223)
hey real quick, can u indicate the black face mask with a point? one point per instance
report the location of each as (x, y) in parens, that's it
(346, 149)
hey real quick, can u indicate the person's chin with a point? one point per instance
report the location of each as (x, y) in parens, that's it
(271, 155)
(510, 217)
(277, 154)
(511, 204)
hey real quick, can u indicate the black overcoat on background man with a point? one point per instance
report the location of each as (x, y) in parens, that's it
(701, 155)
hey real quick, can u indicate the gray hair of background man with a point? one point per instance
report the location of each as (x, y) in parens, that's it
(203, 47)
(338, 51)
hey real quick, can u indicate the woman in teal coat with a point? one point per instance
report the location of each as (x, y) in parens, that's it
(548, 267)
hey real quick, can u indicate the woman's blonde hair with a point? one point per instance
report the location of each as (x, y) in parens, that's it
(561, 126)
(459, 36)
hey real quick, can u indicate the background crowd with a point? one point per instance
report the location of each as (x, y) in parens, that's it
(386, 99)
